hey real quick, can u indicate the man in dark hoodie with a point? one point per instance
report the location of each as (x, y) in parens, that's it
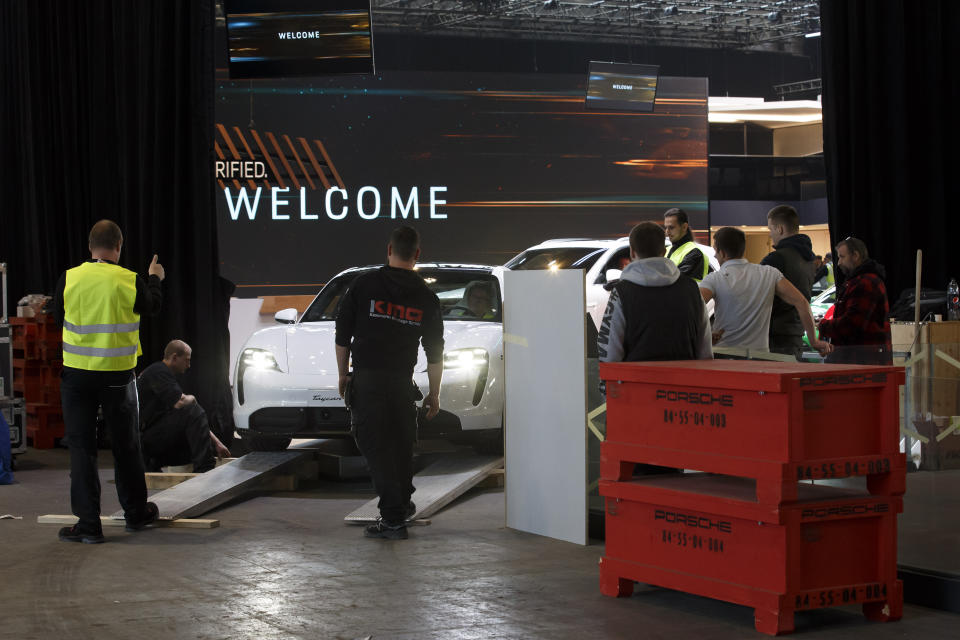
(654, 312)
(383, 318)
(793, 257)
(684, 251)
(860, 327)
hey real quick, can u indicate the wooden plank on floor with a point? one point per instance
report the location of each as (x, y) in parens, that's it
(209, 490)
(156, 480)
(437, 485)
(494, 480)
(107, 521)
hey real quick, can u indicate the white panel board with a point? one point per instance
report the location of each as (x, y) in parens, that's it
(545, 417)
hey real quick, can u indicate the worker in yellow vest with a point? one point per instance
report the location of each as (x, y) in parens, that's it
(99, 305)
(824, 277)
(684, 251)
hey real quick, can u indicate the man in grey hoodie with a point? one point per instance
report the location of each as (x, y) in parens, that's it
(654, 312)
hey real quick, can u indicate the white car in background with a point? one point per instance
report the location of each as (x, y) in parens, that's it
(601, 260)
(286, 379)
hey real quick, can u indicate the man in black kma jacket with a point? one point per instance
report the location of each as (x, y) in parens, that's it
(383, 318)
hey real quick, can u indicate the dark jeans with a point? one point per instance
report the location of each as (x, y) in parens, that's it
(179, 437)
(788, 345)
(82, 393)
(860, 354)
(383, 414)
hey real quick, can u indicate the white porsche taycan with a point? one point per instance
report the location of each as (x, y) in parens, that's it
(285, 384)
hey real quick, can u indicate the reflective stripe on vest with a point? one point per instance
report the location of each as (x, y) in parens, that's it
(681, 253)
(101, 332)
(101, 328)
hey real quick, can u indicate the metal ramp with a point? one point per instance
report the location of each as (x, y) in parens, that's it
(437, 485)
(209, 490)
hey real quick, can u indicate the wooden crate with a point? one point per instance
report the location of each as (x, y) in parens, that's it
(935, 381)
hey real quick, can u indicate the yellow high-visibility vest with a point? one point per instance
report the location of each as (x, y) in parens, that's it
(681, 253)
(101, 332)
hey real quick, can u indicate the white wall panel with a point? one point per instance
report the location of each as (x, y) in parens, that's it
(545, 417)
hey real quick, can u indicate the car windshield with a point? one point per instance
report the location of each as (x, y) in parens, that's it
(556, 258)
(827, 297)
(464, 295)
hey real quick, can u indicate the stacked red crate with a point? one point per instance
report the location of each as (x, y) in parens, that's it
(37, 364)
(751, 530)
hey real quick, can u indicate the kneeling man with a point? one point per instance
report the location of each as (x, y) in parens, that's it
(175, 429)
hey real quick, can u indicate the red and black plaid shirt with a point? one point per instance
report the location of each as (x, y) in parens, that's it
(861, 314)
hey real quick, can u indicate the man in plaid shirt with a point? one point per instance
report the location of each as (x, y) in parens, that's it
(860, 327)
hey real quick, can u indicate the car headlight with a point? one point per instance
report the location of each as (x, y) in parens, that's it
(259, 359)
(465, 358)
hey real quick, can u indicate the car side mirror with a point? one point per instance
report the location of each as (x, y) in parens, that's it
(286, 316)
(612, 274)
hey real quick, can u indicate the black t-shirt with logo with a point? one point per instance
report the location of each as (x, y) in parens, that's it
(159, 391)
(384, 317)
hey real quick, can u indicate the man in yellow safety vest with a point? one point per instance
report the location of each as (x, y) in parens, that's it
(684, 251)
(99, 305)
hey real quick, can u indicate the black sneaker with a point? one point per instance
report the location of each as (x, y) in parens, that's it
(151, 513)
(75, 534)
(386, 531)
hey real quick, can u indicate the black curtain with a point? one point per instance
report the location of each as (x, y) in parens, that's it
(107, 112)
(890, 95)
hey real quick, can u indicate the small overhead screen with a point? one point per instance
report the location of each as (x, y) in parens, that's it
(284, 38)
(623, 87)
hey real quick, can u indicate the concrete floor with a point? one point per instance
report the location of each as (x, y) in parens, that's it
(285, 566)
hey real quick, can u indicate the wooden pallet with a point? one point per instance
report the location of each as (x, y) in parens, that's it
(107, 521)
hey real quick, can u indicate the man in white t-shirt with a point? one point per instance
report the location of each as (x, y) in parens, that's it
(744, 297)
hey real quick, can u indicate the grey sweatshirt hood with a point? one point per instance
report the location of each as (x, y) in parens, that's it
(651, 272)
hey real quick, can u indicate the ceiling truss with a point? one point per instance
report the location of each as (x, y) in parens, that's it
(737, 24)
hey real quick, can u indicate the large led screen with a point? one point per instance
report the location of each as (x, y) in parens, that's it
(311, 177)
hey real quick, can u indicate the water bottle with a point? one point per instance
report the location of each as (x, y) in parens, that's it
(953, 300)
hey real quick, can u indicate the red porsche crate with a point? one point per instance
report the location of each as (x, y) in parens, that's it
(775, 422)
(705, 535)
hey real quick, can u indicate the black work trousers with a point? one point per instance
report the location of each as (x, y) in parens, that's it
(179, 437)
(115, 392)
(383, 414)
